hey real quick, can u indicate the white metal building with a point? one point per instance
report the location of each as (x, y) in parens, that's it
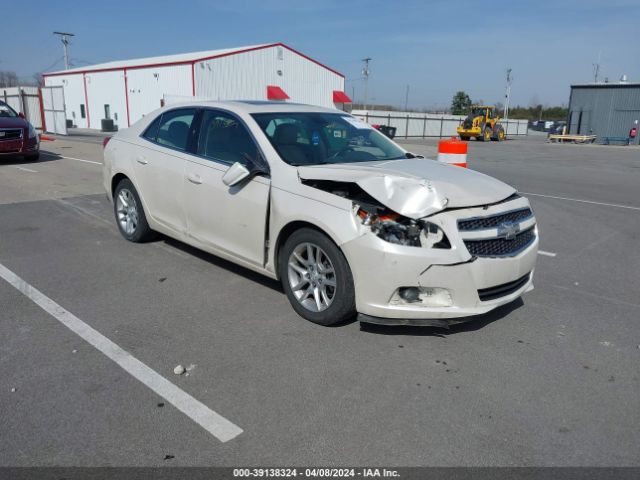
(125, 91)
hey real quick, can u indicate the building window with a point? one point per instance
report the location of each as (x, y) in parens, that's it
(83, 114)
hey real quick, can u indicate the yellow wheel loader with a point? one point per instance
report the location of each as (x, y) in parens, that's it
(481, 123)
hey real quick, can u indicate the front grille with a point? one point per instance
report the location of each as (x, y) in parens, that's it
(10, 133)
(503, 290)
(500, 247)
(483, 223)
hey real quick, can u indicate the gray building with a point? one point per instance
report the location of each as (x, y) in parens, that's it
(604, 109)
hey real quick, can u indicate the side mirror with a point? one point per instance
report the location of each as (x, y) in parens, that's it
(21, 115)
(235, 174)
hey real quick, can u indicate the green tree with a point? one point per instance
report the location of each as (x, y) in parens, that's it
(461, 103)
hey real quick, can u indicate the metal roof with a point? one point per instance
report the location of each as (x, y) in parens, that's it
(606, 85)
(181, 58)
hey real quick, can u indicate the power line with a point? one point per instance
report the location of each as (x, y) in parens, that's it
(52, 65)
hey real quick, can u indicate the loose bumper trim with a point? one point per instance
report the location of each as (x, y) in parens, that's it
(414, 322)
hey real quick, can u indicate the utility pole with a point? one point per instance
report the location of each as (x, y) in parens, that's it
(64, 37)
(365, 74)
(406, 99)
(507, 95)
(596, 68)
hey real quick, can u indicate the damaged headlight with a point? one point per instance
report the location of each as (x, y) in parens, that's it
(394, 228)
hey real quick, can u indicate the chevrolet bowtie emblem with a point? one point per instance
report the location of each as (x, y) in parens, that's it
(508, 230)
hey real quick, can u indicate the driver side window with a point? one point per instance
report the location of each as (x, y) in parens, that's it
(223, 138)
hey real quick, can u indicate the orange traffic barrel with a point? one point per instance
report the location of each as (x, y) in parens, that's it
(453, 152)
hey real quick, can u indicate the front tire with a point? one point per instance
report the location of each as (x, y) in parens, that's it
(129, 213)
(316, 278)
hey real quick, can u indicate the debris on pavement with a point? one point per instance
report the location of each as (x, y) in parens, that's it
(179, 370)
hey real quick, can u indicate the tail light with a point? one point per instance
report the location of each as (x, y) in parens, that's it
(105, 140)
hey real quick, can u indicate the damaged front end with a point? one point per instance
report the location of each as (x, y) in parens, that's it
(382, 221)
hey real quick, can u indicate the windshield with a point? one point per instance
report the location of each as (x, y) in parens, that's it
(477, 112)
(7, 111)
(316, 138)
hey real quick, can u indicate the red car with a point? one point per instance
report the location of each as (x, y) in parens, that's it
(17, 136)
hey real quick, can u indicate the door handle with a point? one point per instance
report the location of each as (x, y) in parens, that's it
(142, 160)
(194, 178)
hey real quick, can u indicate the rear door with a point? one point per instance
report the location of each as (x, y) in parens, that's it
(160, 165)
(230, 219)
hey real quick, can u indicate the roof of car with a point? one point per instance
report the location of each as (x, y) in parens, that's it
(257, 106)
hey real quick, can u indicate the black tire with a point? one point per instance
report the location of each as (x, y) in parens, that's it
(486, 134)
(141, 232)
(464, 138)
(498, 134)
(33, 157)
(343, 304)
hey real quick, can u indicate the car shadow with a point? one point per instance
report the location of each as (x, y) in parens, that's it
(476, 322)
(222, 263)
(45, 157)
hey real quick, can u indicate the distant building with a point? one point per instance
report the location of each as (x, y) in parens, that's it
(125, 91)
(604, 109)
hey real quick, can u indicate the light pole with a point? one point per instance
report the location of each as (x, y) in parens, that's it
(406, 99)
(365, 74)
(507, 95)
(64, 37)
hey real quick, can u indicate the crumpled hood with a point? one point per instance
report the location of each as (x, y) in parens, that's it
(415, 187)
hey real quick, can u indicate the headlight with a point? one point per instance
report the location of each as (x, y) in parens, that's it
(394, 228)
(32, 132)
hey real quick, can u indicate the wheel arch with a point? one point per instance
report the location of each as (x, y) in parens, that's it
(287, 230)
(116, 179)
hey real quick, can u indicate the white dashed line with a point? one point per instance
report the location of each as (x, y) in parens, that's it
(27, 170)
(546, 254)
(72, 158)
(616, 205)
(214, 423)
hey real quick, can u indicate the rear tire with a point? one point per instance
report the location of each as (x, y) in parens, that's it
(129, 213)
(316, 278)
(498, 134)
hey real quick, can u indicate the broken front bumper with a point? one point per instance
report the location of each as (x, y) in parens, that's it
(472, 285)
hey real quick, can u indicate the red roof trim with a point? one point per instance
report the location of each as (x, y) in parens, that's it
(276, 93)
(340, 97)
(191, 62)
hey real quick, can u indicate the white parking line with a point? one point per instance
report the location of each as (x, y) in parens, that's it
(214, 423)
(72, 158)
(27, 169)
(583, 201)
(546, 254)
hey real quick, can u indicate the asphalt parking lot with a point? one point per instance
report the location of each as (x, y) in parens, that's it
(550, 380)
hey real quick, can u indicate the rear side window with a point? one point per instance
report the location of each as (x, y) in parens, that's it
(174, 128)
(151, 132)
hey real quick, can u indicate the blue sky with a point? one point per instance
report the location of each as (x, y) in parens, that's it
(435, 47)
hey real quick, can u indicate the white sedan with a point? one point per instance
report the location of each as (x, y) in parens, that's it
(346, 219)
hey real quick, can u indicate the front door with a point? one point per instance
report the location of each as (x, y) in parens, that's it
(231, 219)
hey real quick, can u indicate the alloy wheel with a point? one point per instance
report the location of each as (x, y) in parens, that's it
(127, 211)
(311, 277)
